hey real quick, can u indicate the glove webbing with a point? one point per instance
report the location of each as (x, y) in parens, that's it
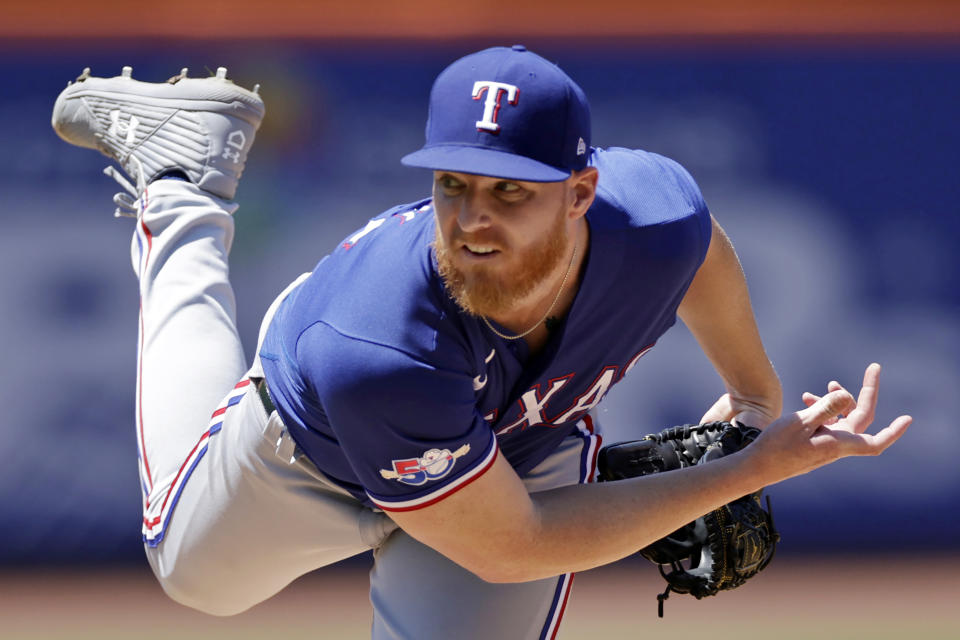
(690, 440)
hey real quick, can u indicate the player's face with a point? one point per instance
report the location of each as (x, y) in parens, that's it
(498, 240)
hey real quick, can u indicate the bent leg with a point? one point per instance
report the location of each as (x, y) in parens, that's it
(231, 514)
(189, 350)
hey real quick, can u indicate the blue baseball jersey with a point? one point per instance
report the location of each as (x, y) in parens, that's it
(401, 398)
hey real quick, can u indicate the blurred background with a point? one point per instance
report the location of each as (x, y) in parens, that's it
(824, 136)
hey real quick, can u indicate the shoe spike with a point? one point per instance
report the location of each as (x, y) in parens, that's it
(256, 88)
(221, 73)
(83, 76)
(177, 78)
(126, 72)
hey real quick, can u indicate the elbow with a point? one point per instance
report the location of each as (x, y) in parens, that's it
(504, 575)
(517, 555)
(504, 568)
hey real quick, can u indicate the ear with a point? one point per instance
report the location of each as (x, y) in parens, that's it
(583, 189)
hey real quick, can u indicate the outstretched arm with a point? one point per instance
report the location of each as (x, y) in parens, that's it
(495, 529)
(717, 310)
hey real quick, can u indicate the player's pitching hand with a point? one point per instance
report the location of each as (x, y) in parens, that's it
(833, 426)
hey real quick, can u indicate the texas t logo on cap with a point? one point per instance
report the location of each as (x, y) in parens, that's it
(491, 107)
(541, 136)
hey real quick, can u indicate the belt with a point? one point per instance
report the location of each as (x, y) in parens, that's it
(274, 430)
(264, 394)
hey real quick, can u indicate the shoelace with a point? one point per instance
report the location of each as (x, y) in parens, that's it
(129, 201)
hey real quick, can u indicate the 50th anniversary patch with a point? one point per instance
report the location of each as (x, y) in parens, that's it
(432, 465)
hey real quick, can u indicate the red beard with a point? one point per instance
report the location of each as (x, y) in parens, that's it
(482, 291)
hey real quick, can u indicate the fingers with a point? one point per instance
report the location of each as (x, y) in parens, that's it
(890, 434)
(867, 400)
(846, 443)
(863, 414)
(809, 399)
(826, 408)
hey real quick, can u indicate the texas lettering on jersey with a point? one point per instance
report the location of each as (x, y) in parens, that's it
(532, 405)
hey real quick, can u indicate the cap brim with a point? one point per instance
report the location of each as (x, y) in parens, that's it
(485, 162)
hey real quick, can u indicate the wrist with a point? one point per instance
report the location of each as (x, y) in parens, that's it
(755, 467)
(763, 397)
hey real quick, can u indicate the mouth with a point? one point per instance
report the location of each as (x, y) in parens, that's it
(478, 251)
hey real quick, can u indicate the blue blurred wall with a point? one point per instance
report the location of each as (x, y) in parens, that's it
(833, 168)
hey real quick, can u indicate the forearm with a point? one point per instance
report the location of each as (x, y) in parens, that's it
(579, 527)
(717, 310)
(733, 345)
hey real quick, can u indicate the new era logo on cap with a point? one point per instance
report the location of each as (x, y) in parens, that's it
(534, 123)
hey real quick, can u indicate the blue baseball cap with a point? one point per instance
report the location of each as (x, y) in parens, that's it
(506, 113)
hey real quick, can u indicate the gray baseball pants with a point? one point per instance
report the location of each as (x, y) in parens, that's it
(232, 511)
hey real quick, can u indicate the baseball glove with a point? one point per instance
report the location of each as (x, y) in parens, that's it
(724, 547)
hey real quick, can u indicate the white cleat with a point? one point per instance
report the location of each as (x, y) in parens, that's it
(203, 127)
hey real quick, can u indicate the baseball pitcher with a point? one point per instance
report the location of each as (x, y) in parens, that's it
(428, 390)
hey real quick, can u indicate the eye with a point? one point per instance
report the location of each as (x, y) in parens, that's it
(511, 192)
(448, 183)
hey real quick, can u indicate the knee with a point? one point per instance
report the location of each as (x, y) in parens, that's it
(205, 589)
(203, 598)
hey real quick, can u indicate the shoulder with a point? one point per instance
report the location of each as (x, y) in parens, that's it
(649, 211)
(650, 188)
(379, 284)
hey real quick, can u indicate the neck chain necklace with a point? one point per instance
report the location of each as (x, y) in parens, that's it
(563, 283)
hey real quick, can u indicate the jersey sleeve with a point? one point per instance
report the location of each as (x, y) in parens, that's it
(656, 192)
(685, 185)
(409, 429)
(681, 179)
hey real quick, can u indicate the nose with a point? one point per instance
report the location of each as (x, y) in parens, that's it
(472, 215)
